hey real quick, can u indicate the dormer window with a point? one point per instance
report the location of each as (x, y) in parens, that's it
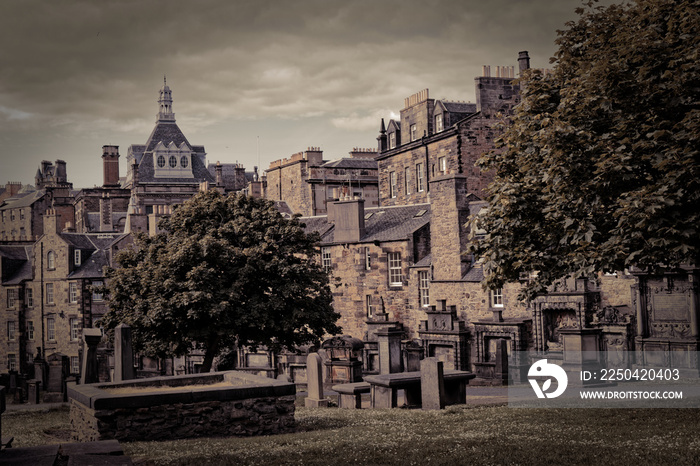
(172, 161)
(76, 257)
(51, 260)
(184, 162)
(161, 161)
(438, 123)
(392, 140)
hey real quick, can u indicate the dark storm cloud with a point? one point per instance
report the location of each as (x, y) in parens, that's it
(81, 67)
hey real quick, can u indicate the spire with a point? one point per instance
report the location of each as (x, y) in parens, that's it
(382, 139)
(382, 129)
(165, 104)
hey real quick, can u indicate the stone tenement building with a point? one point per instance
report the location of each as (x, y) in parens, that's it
(306, 182)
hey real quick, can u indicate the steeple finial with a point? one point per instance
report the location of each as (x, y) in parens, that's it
(165, 103)
(165, 83)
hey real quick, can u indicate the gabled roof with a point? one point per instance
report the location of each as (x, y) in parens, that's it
(393, 124)
(22, 200)
(382, 224)
(458, 107)
(92, 267)
(16, 264)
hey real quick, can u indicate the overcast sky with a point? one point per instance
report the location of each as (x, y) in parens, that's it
(278, 75)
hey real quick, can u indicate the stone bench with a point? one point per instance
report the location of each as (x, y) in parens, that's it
(350, 394)
(384, 388)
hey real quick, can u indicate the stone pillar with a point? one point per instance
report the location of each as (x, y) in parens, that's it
(33, 389)
(638, 293)
(123, 354)
(92, 338)
(693, 300)
(432, 384)
(314, 382)
(389, 342)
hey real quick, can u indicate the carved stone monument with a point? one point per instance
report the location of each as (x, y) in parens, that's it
(123, 354)
(315, 398)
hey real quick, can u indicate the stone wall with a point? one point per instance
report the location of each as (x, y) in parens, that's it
(253, 416)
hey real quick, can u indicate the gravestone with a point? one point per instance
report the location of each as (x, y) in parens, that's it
(501, 369)
(92, 338)
(315, 398)
(389, 342)
(123, 354)
(40, 368)
(432, 384)
(33, 389)
(59, 366)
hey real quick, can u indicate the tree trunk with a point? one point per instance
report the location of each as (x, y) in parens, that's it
(210, 352)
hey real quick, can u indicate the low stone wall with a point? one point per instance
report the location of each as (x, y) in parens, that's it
(261, 406)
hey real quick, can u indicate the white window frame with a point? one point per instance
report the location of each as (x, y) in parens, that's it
(50, 298)
(414, 132)
(326, 260)
(368, 258)
(407, 180)
(395, 269)
(51, 260)
(392, 184)
(76, 257)
(72, 292)
(442, 165)
(424, 287)
(497, 298)
(11, 330)
(11, 362)
(51, 329)
(74, 329)
(97, 297)
(439, 126)
(30, 330)
(369, 306)
(12, 297)
(29, 296)
(420, 173)
(74, 365)
(392, 140)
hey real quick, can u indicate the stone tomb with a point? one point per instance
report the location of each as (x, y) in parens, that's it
(343, 359)
(445, 337)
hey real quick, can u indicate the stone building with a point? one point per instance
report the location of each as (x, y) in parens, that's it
(306, 182)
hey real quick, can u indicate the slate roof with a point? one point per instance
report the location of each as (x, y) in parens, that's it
(146, 172)
(95, 247)
(459, 107)
(381, 223)
(424, 262)
(167, 133)
(16, 264)
(474, 274)
(22, 200)
(348, 162)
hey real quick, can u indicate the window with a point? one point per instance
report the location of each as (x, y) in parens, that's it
(76, 257)
(30, 330)
(74, 365)
(161, 161)
(12, 362)
(407, 180)
(438, 123)
(21, 214)
(11, 297)
(414, 133)
(424, 288)
(172, 161)
(419, 177)
(497, 297)
(51, 329)
(392, 140)
(442, 165)
(97, 295)
(73, 292)
(395, 275)
(11, 330)
(368, 263)
(326, 258)
(74, 328)
(370, 308)
(184, 162)
(392, 184)
(51, 260)
(12, 215)
(30, 358)
(29, 294)
(49, 293)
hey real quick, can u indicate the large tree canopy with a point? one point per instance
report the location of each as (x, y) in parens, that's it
(599, 169)
(225, 271)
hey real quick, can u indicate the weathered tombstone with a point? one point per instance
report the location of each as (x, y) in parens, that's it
(33, 389)
(92, 338)
(432, 384)
(40, 369)
(56, 383)
(123, 354)
(389, 342)
(501, 370)
(315, 398)
(20, 389)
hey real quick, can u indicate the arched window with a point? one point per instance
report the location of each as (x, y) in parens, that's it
(51, 260)
(184, 162)
(161, 161)
(173, 161)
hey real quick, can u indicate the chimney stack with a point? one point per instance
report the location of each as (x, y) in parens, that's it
(219, 174)
(349, 219)
(523, 61)
(110, 166)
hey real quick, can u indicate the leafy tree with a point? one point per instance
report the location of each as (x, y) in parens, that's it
(224, 271)
(599, 169)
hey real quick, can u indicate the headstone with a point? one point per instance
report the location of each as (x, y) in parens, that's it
(92, 338)
(33, 389)
(123, 354)
(58, 371)
(501, 370)
(314, 382)
(389, 342)
(432, 384)
(40, 369)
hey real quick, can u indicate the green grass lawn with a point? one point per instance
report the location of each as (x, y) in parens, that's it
(457, 435)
